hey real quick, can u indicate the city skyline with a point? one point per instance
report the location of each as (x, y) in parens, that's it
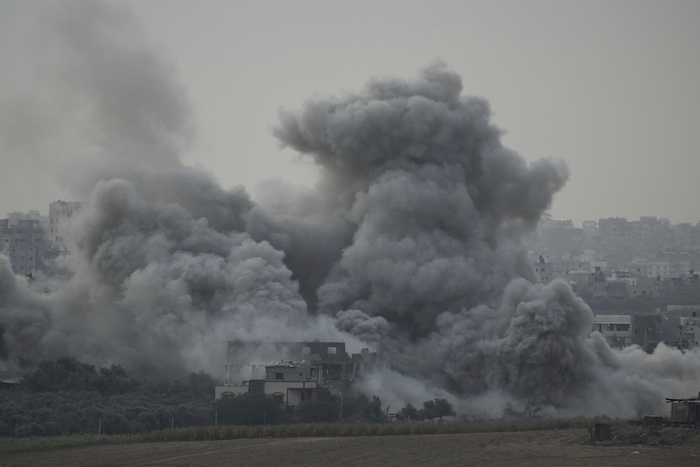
(578, 225)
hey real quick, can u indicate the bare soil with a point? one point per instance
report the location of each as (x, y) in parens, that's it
(638, 434)
(540, 448)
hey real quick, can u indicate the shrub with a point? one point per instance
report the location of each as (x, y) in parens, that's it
(248, 409)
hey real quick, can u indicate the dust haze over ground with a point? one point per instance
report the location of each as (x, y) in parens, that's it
(410, 244)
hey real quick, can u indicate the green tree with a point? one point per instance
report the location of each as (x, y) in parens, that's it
(201, 384)
(326, 407)
(443, 409)
(428, 411)
(114, 380)
(408, 413)
(67, 397)
(362, 409)
(63, 374)
(436, 408)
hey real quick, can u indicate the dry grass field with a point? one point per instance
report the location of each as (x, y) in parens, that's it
(540, 448)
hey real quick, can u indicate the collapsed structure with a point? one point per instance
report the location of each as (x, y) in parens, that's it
(299, 370)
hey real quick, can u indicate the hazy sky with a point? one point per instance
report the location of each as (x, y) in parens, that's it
(609, 86)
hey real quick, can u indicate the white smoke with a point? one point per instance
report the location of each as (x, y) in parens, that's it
(410, 244)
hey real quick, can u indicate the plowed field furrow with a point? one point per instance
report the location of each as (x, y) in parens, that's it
(540, 448)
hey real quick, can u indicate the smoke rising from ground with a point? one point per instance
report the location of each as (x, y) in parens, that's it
(410, 244)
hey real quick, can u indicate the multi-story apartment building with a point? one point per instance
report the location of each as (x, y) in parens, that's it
(644, 330)
(60, 215)
(544, 271)
(24, 243)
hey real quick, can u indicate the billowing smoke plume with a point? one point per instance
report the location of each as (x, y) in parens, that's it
(409, 245)
(435, 272)
(163, 270)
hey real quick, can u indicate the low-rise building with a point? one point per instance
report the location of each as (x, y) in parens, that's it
(616, 288)
(288, 393)
(644, 330)
(685, 410)
(643, 287)
(617, 329)
(659, 269)
(304, 367)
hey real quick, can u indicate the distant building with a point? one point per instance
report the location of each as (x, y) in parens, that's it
(647, 331)
(60, 215)
(659, 269)
(617, 329)
(290, 393)
(598, 284)
(301, 368)
(24, 243)
(643, 287)
(590, 226)
(615, 228)
(14, 217)
(623, 330)
(544, 271)
(690, 331)
(549, 223)
(616, 288)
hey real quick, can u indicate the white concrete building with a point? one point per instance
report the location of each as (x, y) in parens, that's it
(617, 329)
(61, 213)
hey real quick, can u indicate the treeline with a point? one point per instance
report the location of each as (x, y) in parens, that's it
(69, 397)
(362, 409)
(431, 410)
(349, 408)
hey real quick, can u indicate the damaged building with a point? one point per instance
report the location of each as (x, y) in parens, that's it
(297, 370)
(644, 330)
(287, 383)
(685, 410)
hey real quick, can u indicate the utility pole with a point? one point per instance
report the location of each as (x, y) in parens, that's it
(340, 418)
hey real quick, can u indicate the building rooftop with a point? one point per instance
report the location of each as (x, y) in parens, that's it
(613, 319)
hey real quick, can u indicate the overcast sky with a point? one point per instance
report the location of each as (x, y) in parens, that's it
(609, 86)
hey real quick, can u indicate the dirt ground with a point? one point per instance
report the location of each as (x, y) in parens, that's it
(540, 448)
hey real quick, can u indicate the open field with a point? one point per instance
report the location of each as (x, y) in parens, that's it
(542, 448)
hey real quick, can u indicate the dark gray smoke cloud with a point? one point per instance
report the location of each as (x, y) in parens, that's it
(435, 195)
(163, 271)
(435, 272)
(410, 244)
